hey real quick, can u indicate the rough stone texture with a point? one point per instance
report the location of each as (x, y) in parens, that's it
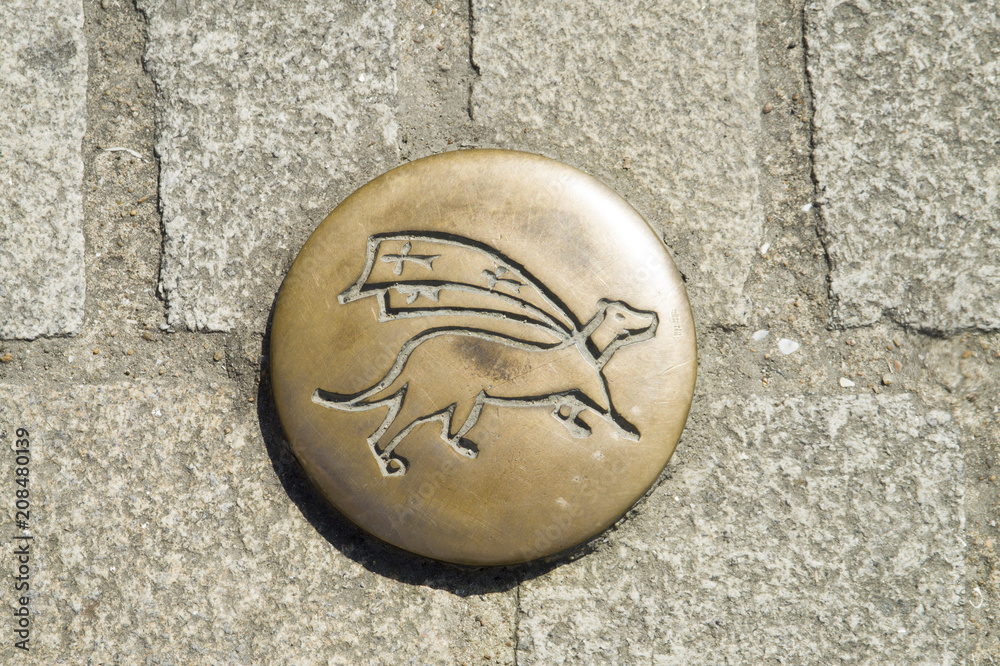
(268, 115)
(43, 70)
(804, 530)
(162, 532)
(253, 569)
(908, 158)
(662, 91)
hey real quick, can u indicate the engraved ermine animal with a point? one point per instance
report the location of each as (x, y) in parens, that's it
(566, 377)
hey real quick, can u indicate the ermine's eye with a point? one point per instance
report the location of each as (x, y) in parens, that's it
(619, 316)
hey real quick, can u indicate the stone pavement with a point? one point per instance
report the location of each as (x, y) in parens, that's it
(824, 172)
(908, 162)
(44, 73)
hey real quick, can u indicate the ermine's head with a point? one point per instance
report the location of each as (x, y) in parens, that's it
(626, 322)
(620, 325)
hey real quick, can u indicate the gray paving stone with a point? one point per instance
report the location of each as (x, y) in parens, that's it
(162, 533)
(43, 96)
(799, 530)
(268, 115)
(908, 158)
(658, 100)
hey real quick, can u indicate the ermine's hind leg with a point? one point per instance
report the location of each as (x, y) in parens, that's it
(406, 415)
(389, 464)
(457, 440)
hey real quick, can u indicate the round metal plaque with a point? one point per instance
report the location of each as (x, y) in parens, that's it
(483, 357)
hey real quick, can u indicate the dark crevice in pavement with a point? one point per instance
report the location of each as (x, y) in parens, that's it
(473, 66)
(895, 318)
(517, 618)
(818, 211)
(144, 19)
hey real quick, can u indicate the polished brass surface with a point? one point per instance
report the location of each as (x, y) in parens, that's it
(483, 357)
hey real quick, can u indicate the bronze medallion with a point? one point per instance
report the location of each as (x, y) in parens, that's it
(484, 357)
